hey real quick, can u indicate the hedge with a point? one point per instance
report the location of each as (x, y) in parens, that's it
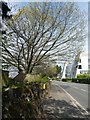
(66, 79)
(83, 76)
(77, 80)
(24, 101)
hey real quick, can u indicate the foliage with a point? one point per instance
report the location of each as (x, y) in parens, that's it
(22, 79)
(41, 79)
(43, 69)
(47, 70)
(58, 69)
(83, 76)
(66, 79)
(55, 78)
(35, 78)
(81, 80)
(5, 78)
(52, 71)
(77, 80)
(22, 103)
(25, 101)
(30, 77)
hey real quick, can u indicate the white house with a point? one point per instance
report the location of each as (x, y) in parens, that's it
(80, 65)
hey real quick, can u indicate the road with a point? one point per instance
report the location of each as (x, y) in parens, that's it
(78, 91)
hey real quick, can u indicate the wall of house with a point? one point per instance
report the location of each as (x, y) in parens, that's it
(83, 64)
(78, 66)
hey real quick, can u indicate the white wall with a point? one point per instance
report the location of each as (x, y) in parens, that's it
(84, 62)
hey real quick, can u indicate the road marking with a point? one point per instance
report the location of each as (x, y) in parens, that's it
(80, 89)
(83, 90)
(75, 87)
(76, 103)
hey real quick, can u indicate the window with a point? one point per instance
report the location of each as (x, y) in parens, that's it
(79, 66)
(80, 72)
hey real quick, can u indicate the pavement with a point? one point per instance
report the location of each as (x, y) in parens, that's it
(60, 106)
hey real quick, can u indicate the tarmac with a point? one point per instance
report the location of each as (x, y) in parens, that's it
(58, 105)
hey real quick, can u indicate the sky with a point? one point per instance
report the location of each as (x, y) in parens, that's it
(82, 5)
(47, 0)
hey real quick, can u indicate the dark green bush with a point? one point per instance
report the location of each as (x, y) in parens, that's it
(81, 80)
(66, 79)
(55, 78)
(22, 102)
(77, 80)
(82, 76)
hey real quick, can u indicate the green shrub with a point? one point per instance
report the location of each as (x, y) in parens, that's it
(81, 80)
(54, 78)
(35, 78)
(5, 77)
(83, 76)
(40, 79)
(66, 79)
(16, 105)
(77, 80)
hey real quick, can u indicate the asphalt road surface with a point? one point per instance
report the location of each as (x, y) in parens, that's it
(78, 91)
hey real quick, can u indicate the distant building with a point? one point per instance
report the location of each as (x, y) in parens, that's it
(80, 65)
(75, 66)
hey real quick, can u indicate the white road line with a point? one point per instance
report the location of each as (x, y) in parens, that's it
(75, 87)
(75, 102)
(83, 90)
(80, 89)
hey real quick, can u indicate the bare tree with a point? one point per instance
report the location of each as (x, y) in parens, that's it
(40, 31)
